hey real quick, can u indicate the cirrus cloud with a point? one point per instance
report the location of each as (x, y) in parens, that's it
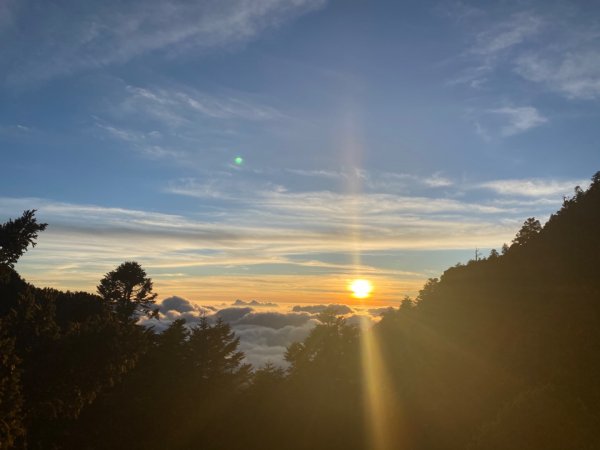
(67, 37)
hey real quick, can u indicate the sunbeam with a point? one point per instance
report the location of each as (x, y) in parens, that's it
(384, 424)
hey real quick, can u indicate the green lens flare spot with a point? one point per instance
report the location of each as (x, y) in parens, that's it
(238, 161)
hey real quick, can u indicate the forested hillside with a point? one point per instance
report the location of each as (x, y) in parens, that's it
(500, 353)
(504, 352)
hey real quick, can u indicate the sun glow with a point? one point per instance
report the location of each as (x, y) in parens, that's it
(360, 288)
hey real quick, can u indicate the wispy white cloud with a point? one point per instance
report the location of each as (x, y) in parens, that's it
(495, 45)
(505, 35)
(147, 144)
(534, 187)
(556, 51)
(574, 73)
(331, 174)
(520, 119)
(14, 130)
(438, 180)
(179, 106)
(505, 121)
(122, 134)
(105, 33)
(328, 203)
(173, 121)
(403, 183)
(390, 182)
(458, 11)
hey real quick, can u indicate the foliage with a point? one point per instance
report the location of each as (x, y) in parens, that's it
(531, 228)
(16, 235)
(127, 289)
(328, 349)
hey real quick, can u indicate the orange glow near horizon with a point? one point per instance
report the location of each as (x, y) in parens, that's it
(280, 288)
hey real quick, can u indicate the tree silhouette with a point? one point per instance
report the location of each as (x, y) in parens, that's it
(15, 236)
(127, 289)
(531, 228)
(213, 351)
(328, 349)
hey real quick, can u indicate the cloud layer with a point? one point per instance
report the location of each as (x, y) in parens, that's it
(264, 333)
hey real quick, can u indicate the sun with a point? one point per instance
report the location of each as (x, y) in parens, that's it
(360, 288)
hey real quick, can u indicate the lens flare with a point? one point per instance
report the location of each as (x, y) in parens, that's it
(238, 160)
(361, 288)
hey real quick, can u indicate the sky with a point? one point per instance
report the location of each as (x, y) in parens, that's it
(379, 139)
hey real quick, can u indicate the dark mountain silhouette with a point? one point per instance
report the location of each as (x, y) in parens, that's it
(499, 353)
(491, 342)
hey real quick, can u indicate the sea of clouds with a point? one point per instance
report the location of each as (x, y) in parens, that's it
(265, 329)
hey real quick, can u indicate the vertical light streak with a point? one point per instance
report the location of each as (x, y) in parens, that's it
(352, 152)
(385, 428)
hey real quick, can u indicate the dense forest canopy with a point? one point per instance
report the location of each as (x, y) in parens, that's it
(500, 353)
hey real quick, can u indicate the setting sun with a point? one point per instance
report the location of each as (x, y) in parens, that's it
(361, 288)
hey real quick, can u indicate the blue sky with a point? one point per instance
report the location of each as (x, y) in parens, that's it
(380, 139)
